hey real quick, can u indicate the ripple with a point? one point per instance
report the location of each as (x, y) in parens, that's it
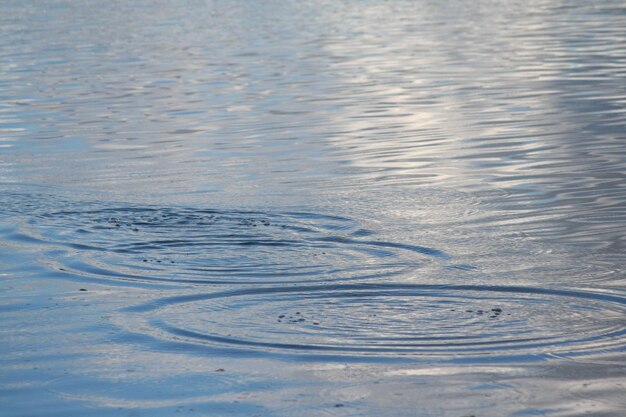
(184, 245)
(463, 321)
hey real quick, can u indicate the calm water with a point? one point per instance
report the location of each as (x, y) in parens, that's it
(311, 208)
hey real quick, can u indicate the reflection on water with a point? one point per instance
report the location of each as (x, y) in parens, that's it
(308, 208)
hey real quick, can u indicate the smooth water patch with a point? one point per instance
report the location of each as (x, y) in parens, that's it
(464, 322)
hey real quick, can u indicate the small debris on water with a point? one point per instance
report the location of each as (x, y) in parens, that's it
(296, 317)
(493, 312)
(82, 289)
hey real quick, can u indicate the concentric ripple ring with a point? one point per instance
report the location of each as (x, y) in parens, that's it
(145, 244)
(359, 320)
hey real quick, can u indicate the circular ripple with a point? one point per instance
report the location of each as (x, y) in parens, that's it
(217, 246)
(387, 319)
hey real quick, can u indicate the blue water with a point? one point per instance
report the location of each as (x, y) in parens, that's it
(310, 208)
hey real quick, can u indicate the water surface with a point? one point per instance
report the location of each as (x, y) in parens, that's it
(347, 208)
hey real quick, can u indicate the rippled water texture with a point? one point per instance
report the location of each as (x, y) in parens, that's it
(292, 208)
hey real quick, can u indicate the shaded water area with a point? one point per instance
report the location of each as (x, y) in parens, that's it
(311, 208)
